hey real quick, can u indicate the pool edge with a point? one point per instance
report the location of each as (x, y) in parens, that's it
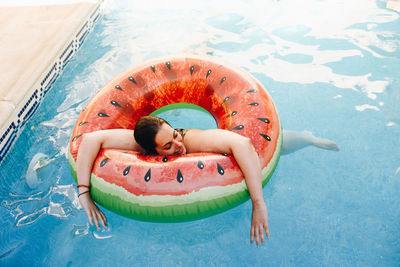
(34, 96)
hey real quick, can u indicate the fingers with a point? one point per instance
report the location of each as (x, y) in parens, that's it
(102, 219)
(98, 216)
(266, 230)
(257, 233)
(261, 232)
(95, 219)
(95, 216)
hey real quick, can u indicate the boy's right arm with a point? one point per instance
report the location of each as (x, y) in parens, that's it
(89, 148)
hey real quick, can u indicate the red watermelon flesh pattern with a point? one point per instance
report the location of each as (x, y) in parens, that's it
(236, 101)
(160, 176)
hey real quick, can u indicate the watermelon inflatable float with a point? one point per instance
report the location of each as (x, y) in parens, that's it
(177, 188)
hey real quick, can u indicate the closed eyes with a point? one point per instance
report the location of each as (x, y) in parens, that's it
(169, 144)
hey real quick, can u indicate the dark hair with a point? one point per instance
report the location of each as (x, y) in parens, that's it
(145, 132)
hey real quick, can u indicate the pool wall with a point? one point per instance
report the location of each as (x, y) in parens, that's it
(14, 112)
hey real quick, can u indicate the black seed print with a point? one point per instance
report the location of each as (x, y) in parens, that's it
(153, 68)
(220, 169)
(132, 80)
(115, 103)
(191, 70)
(200, 164)
(103, 162)
(148, 175)
(222, 80)
(224, 154)
(263, 120)
(168, 65)
(126, 171)
(102, 115)
(118, 87)
(208, 73)
(179, 176)
(234, 113)
(252, 91)
(165, 159)
(239, 127)
(82, 123)
(266, 137)
(76, 137)
(253, 104)
(226, 99)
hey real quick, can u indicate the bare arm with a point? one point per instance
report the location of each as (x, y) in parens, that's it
(87, 153)
(249, 163)
(93, 142)
(222, 141)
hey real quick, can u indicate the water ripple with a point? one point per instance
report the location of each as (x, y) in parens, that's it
(58, 201)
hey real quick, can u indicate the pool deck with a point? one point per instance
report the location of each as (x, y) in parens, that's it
(36, 42)
(393, 4)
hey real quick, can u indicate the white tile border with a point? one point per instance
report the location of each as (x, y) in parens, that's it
(13, 127)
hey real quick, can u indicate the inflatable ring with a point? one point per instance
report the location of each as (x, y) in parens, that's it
(177, 188)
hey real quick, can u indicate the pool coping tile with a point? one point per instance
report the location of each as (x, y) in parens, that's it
(39, 41)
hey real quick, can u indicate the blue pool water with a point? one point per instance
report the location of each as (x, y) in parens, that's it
(332, 67)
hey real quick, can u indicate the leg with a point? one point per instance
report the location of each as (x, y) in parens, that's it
(293, 141)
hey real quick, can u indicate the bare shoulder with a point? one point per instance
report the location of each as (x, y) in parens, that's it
(213, 140)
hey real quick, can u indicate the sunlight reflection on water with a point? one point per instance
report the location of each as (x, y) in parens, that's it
(330, 66)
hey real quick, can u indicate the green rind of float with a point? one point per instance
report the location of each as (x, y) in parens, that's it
(179, 106)
(172, 213)
(109, 196)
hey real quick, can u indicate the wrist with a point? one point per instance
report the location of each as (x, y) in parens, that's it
(258, 202)
(84, 193)
(81, 190)
(83, 187)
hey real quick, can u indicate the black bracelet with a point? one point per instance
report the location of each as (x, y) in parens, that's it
(83, 193)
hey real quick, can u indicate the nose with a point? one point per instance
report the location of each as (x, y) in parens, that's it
(178, 143)
(178, 146)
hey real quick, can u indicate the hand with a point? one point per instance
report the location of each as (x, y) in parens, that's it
(92, 211)
(259, 222)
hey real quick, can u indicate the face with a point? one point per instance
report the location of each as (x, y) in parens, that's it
(168, 141)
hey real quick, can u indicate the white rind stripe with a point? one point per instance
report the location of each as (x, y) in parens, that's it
(205, 194)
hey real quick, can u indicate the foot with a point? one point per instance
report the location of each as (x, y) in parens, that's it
(293, 141)
(325, 144)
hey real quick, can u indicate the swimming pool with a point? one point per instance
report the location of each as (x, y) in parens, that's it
(332, 67)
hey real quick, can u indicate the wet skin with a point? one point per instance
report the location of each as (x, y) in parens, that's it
(170, 142)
